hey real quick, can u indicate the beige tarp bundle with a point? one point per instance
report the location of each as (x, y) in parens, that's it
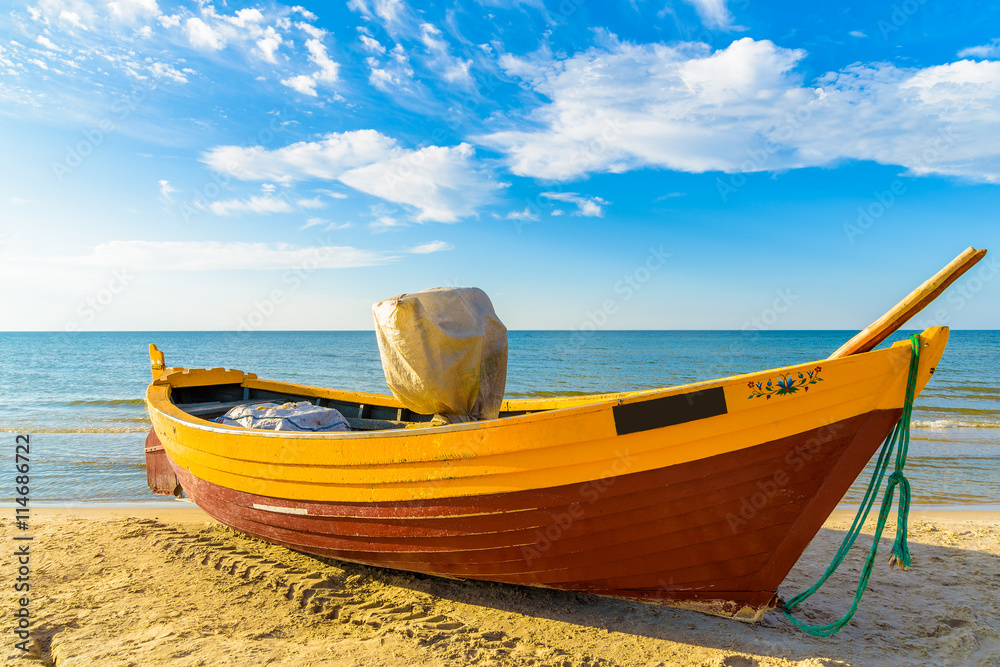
(444, 352)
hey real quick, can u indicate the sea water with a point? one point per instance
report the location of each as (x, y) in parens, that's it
(79, 395)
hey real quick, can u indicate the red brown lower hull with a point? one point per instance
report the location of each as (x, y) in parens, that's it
(717, 534)
(160, 475)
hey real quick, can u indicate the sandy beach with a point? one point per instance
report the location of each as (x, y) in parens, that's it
(171, 586)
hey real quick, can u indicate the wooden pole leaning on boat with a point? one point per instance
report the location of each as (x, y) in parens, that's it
(916, 301)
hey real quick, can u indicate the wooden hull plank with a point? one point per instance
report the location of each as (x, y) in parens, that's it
(698, 533)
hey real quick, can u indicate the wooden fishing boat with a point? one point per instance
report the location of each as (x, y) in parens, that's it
(700, 496)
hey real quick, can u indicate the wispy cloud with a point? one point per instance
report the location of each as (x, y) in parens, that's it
(384, 223)
(105, 48)
(452, 69)
(433, 246)
(253, 204)
(220, 256)
(166, 190)
(393, 15)
(525, 214)
(713, 13)
(991, 50)
(312, 222)
(592, 207)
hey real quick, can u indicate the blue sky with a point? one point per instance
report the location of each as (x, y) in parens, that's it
(654, 165)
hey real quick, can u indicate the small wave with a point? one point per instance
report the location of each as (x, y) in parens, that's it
(110, 401)
(103, 465)
(951, 423)
(548, 394)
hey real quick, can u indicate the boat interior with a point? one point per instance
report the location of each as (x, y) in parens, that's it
(212, 401)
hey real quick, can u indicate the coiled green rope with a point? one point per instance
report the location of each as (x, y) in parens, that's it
(900, 551)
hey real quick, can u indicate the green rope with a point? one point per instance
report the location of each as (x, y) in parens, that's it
(900, 552)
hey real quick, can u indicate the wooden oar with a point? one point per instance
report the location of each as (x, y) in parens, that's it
(916, 301)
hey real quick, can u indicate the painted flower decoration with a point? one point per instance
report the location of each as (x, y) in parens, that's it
(788, 383)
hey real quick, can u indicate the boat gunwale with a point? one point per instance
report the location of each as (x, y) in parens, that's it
(588, 403)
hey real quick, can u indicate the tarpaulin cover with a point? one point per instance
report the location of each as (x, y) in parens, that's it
(301, 416)
(444, 352)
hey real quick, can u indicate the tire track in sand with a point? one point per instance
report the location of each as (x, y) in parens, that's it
(366, 606)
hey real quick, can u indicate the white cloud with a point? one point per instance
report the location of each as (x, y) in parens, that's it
(254, 204)
(991, 50)
(72, 18)
(128, 11)
(169, 21)
(326, 159)
(46, 42)
(303, 83)
(743, 108)
(305, 13)
(202, 36)
(164, 71)
(328, 70)
(443, 183)
(317, 54)
(713, 13)
(857, 33)
(371, 45)
(244, 18)
(269, 44)
(591, 207)
(311, 30)
(428, 248)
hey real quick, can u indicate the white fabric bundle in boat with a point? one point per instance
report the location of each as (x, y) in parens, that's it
(301, 416)
(444, 352)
